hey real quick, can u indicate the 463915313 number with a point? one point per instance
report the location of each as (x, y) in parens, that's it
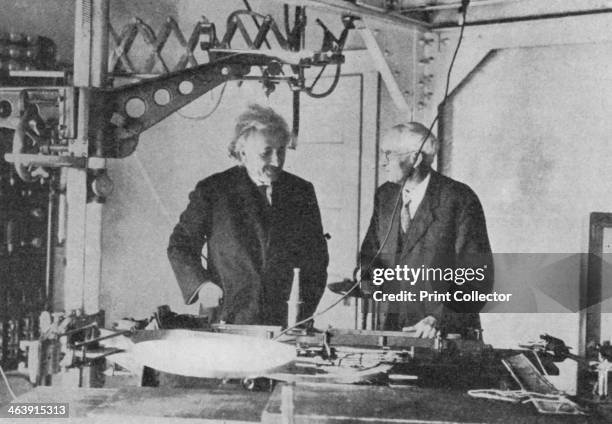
(34, 410)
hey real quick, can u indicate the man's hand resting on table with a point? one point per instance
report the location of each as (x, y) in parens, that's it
(209, 295)
(425, 328)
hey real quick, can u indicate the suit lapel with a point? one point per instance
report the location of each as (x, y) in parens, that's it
(251, 211)
(280, 203)
(424, 216)
(390, 223)
(279, 192)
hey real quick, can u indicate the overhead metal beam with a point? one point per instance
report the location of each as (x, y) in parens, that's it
(338, 6)
(428, 6)
(496, 11)
(381, 65)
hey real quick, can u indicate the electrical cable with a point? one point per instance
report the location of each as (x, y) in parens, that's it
(8, 386)
(465, 4)
(209, 114)
(317, 77)
(464, 8)
(331, 88)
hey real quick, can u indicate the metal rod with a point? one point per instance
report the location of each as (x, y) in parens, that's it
(61, 208)
(83, 359)
(453, 25)
(296, 116)
(76, 179)
(82, 42)
(97, 339)
(456, 5)
(76, 330)
(99, 42)
(111, 352)
(31, 159)
(396, 19)
(248, 6)
(49, 255)
(93, 222)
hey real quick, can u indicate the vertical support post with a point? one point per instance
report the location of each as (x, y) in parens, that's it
(381, 65)
(93, 234)
(287, 403)
(93, 258)
(592, 292)
(83, 238)
(76, 179)
(99, 42)
(49, 244)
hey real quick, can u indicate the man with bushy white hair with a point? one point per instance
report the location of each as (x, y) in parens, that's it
(258, 222)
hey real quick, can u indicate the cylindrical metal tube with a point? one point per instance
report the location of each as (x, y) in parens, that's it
(82, 42)
(293, 304)
(49, 249)
(62, 209)
(99, 53)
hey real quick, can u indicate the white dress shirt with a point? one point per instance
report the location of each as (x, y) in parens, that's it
(415, 195)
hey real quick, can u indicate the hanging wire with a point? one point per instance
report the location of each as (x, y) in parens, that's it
(331, 88)
(8, 386)
(209, 114)
(450, 67)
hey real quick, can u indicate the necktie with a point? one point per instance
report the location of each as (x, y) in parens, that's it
(263, 189)
(405, 217)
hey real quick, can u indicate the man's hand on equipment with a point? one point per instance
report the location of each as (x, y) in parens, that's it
(425, 328)
(210, 295)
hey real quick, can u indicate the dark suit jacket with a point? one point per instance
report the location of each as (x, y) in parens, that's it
(252, 247)
(448, 230)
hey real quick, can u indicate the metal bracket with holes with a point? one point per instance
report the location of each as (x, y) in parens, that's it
(44, 118)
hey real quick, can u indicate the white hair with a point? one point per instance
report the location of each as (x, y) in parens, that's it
(408, 137)
(258, 118)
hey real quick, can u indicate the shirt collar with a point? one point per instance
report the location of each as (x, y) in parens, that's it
(255, 181)
(416, 194)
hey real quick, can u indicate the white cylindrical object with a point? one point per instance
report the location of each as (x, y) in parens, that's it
(293, 304)
(93, 261)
